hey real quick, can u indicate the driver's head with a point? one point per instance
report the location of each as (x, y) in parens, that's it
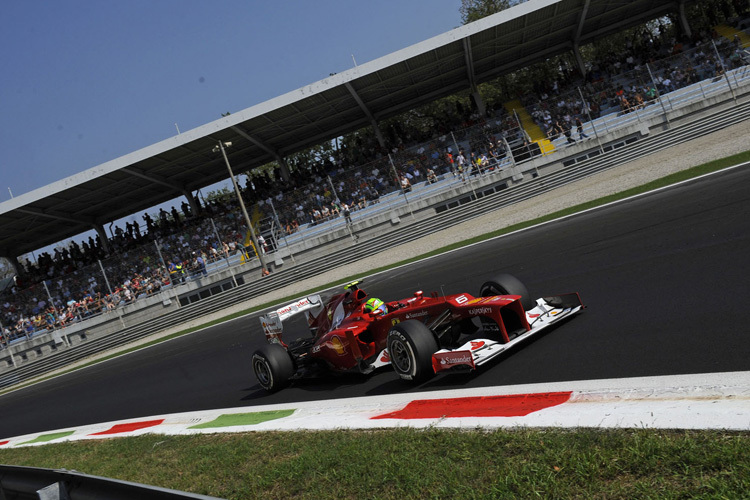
(374, 304)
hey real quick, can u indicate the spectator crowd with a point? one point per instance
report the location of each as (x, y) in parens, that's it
(83, 280)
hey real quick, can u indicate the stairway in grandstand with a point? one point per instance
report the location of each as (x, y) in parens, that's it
(729, 33)
(255, 221)
(528, 124)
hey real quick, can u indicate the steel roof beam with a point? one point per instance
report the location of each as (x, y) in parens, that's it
(56, 216)
(367, 113)
(614, 28)
(577, 38)
(257, 142)
(469, 59)
(153, 178)
(581, 21)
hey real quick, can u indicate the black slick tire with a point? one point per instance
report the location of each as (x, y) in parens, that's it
(507, 284)
(411, 346)
(273, 367)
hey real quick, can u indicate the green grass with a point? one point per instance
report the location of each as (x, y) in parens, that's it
(416, 464)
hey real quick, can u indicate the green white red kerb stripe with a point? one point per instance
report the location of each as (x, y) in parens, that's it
(702, 401)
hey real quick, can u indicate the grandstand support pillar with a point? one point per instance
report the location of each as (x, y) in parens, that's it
(226, 256)
(192, 202)
(263, 267)
(481, 108)
(102, 236)
(658, 94)
(586, 107)
(469, 60)
(684, 20)
(510, 153)
(12, 262)
(378, 134)
(368, 114)
(12, 359)
(398, 181)
(284, 167)
(724, 70)
(283, 231)
(104, 273)
(579, 59)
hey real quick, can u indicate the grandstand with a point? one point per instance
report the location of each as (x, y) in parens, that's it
(148, 272)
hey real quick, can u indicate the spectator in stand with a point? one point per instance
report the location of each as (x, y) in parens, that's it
(624, 104)
(149, 223)
(262, 244)
(568, 133)
(199, 263)
(335, 208)
(461, 163)
(4, 337)
(405, 184)
(431, 177)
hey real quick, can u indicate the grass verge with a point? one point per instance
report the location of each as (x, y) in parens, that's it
(417, 464)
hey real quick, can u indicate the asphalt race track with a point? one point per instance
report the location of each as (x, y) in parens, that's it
(665, 278)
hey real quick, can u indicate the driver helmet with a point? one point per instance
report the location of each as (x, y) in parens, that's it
(374, 304)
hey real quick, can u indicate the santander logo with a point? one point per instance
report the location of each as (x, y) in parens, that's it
(476, 345)
(457, 359)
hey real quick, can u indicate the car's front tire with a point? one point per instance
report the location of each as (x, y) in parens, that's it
(411, 346)
(273, 367)
(507, 284)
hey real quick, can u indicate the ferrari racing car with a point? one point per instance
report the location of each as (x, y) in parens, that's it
(418, 336)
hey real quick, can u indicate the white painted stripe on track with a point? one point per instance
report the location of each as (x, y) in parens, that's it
(699, 401)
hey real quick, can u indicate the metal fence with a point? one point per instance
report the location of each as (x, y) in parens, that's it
(61, 484)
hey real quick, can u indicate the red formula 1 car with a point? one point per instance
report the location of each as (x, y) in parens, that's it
(419, 336)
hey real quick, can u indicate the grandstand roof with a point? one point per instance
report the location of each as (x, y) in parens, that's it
(344, 102)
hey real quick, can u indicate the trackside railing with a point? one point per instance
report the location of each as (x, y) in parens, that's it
(61, 484)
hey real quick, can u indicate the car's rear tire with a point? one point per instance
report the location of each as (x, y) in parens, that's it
(507, 284)
(411, 346)
(273, 367)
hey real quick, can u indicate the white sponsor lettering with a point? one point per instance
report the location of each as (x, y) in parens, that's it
(454, 360)
(416, 315)
(480, 310)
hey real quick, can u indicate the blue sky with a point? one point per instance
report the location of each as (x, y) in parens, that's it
(84, 82)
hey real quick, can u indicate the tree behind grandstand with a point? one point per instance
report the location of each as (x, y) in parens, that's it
(473, 10)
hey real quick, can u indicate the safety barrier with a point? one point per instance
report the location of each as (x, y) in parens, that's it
(61, 484)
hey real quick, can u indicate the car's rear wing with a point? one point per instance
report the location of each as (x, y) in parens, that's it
(272, 322)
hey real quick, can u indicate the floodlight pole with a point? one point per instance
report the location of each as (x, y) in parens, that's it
(258, 251)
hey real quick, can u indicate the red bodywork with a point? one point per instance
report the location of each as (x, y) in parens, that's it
(346, 336)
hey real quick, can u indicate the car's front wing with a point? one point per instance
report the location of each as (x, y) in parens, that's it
(477, 352)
